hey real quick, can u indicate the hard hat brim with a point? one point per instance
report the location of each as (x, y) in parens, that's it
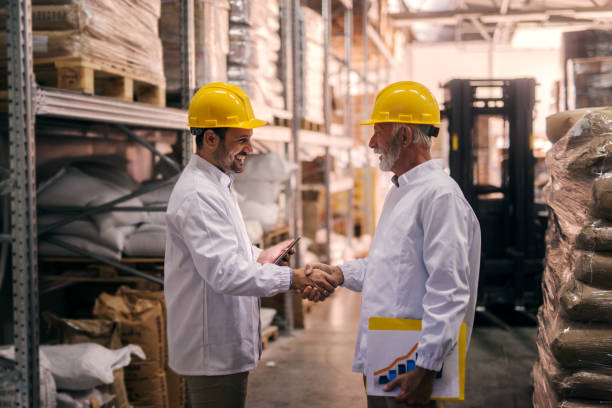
(375, 121)
(251, 124)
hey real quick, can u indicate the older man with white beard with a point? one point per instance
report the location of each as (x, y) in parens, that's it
(425, 255)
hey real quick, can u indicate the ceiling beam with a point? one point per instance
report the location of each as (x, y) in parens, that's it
(491, 15)
(379, 43)
(481, 28)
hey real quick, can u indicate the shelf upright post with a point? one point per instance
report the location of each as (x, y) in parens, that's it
(187, 46)
(348, 119)
(326, 13)
(23, 199)
(369, 216)
(296, 200)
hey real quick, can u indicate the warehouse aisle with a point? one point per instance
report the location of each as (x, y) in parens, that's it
(313, 368)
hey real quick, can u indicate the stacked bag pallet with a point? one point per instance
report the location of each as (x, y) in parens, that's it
(312, 65)
(254, 53)
(108, 47)
(141, 316)
(211, 42)
(574, 366)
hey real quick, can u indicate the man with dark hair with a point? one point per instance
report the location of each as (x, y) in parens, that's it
(213, 275)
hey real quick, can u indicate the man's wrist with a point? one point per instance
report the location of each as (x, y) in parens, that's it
(339, 274)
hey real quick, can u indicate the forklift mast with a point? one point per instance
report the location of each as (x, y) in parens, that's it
(512, 232)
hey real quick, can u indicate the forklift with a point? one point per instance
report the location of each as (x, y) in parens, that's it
(491, 158)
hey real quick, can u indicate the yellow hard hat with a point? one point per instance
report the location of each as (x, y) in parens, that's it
(405, 102)
(222, 105)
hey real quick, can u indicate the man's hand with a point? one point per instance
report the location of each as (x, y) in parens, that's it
(416, 386)
(313, 293)
(269, 255)
(309, 276)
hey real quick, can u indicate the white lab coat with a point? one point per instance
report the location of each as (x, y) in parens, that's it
(423, 263)
(212, 279)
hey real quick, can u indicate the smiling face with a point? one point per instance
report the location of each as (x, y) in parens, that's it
(233, 149)
(386, 144)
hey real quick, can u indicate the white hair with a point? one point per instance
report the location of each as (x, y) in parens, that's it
(420, 138)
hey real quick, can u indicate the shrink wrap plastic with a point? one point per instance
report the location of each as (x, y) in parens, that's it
(120, 34)
(254, 51)
(211, 42)
(574, 367)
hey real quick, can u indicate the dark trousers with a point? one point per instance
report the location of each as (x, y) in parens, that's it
(216, 391)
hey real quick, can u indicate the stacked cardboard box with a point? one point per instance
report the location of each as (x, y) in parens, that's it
(575, 322)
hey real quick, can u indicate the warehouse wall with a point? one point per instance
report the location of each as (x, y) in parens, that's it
(436, 64)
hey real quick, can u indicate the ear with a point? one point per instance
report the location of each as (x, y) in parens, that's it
(406, 135)
(210, 139)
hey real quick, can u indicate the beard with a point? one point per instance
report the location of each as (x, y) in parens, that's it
(227, 162)
(389, 159)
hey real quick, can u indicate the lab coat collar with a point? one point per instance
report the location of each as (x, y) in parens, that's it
(204, 165)
(417, 172)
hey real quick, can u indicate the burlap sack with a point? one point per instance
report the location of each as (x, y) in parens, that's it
(141, 323)
(586, 303)
(100, 331)
(176, 387)
(583, 348)
(558, 124)
(150, 392)
(595, 268)
(595, 237)
(602, 196)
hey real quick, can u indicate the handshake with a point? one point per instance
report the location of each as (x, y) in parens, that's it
(317, 281)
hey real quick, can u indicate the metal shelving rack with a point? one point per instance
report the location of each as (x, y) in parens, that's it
(27, 101)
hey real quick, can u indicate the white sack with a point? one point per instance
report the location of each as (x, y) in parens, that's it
(265, 214)
(254, 230)
(83, 366)
(147, 240)
(266, 315)
(48, 389)
(113, 237)
(263, 192)
(161, 195)
(46, 248)
(265, 167)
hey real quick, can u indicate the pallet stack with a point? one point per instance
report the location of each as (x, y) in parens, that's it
(574, 367)
(254, 53)
(104, 47)
(211, 42)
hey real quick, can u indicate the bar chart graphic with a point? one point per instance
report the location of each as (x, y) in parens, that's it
(392, 345)
(400, 365)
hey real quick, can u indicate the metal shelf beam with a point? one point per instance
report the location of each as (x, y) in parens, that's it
(74, 105)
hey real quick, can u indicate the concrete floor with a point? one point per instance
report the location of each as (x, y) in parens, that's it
(313, 367)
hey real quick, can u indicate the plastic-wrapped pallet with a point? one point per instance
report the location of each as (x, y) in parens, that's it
(118, 34)
(211, 42)
(254, 52)
(312, 66)
(574, 366)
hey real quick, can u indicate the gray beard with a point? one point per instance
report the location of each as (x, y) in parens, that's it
(388, 160)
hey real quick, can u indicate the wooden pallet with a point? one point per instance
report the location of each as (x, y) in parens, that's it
(310, 125)
(281, 121)
(95, 78)
(275, 236)
(268, 334)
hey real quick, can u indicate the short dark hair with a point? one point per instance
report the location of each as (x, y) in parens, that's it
(199, 134)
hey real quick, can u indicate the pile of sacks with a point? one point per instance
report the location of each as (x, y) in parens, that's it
(258, 188)
(254, 52)
(90, 366)
(574, 366)
(141, 316)
(211, 42)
